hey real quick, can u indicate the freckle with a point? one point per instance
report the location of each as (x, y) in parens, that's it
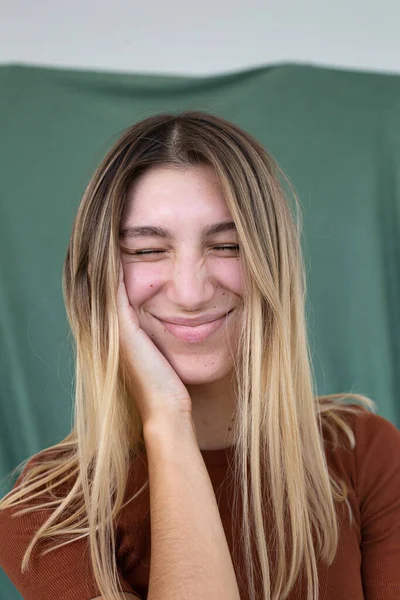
(151, 285)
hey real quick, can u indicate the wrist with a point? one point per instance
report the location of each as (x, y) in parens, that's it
(174, 427)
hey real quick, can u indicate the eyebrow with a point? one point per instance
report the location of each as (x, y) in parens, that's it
(150, 230)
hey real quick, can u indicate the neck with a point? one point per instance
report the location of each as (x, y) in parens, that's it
(213, 408)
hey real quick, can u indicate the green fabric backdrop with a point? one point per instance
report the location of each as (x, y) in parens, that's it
(335, 133)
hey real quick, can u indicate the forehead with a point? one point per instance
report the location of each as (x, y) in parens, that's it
(176, 193)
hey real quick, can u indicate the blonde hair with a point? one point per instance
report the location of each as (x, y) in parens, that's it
(279, 419)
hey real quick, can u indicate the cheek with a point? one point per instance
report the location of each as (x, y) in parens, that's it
(141, 282)
(230, 275)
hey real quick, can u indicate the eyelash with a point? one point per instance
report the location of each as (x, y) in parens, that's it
(148, 252)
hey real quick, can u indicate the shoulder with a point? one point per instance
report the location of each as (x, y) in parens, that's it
(375, 464)
(356, 427)
(375, 440)
(53, 467)
(370, 461)
(21, 523)
(44, 479)
(377, 461)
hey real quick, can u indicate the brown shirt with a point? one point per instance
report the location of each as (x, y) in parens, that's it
(367, 564)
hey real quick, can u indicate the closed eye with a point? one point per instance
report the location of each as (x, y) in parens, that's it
(233, 247)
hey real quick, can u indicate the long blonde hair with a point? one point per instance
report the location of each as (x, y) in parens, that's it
(279, 419)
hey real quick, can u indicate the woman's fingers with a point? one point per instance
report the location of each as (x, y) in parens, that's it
(156, 387)
(124, 307)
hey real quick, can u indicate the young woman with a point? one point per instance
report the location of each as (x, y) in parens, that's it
(201, 463)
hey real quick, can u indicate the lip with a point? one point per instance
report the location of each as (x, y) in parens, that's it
(194, 321)
(195, 333)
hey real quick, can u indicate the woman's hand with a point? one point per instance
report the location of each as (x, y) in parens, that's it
(156, 388)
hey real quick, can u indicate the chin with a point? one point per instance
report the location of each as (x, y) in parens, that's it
(200, 370)
(195, 379)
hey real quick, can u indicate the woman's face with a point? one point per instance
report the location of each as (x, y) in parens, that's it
(190, 273)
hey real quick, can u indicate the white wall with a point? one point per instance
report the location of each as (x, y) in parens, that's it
(200, 36)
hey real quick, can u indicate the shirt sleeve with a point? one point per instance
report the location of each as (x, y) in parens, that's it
(62, 574)
(378, 490)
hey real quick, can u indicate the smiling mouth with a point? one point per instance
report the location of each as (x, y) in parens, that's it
(197, 333)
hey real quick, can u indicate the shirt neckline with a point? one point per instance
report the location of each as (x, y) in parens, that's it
(219, 457)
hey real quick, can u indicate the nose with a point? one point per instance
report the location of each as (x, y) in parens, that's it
(190, 282)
